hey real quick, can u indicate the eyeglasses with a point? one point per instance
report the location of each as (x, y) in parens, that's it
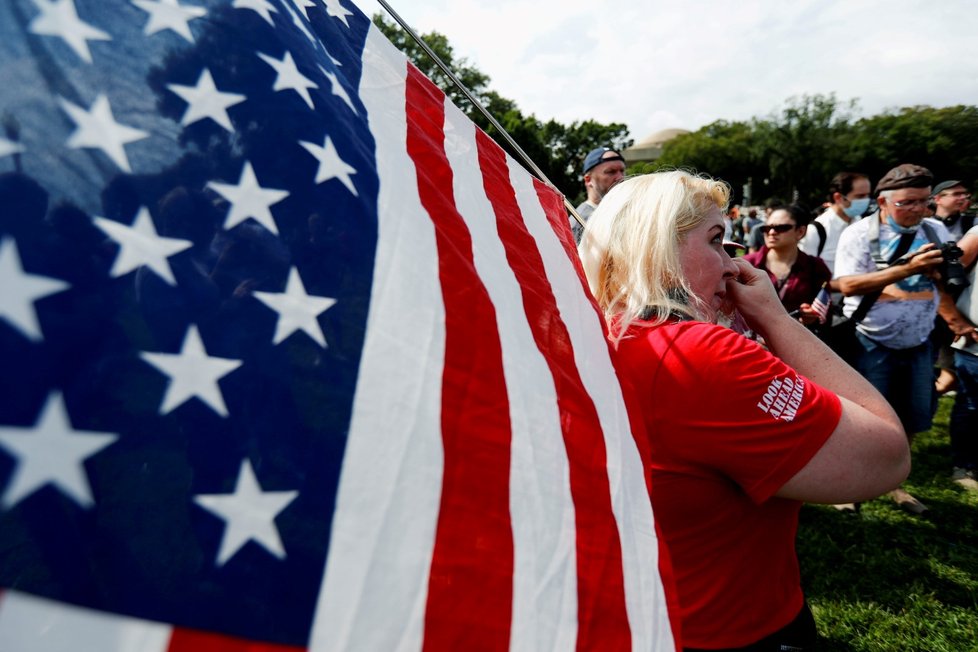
(910, 203)
(777, 228)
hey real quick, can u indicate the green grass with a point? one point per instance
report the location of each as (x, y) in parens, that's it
(883, 580)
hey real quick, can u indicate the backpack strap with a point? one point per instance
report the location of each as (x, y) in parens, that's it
(821, 237)
(967, 221)
(930, 233)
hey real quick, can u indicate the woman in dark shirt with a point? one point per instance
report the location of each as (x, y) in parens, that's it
(797, 276)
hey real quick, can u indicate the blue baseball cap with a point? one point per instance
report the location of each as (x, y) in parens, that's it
(597, 155)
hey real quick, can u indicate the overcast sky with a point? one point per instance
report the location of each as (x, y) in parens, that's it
(655, 64)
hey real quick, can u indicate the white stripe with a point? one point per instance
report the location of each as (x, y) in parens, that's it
(644, 595)
(541, 506)
(31, 624)
(375, 589)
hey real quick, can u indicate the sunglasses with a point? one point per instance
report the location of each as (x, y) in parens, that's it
(777, 228)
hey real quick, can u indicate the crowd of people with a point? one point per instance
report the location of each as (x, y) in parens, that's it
(797, 372)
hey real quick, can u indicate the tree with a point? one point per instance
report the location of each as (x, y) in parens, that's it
(557, 149)
(721, 149)
(804, 146)
(945, 140)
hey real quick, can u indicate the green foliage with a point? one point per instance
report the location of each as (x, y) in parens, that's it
(944, 140)
(558, 149)
(794, 154)
(885, 581)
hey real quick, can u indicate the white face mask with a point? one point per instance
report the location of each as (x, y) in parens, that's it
(856, 207)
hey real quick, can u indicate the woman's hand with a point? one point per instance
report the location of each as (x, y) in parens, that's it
(754, 296)
(807, 315)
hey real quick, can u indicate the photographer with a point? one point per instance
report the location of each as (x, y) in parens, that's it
(893, 261)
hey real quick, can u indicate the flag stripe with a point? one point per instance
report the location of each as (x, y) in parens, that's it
(646, 594)
(602, 619)
(470, 587)
(32, 624)
(541, 505)
(189, 640)
(375, 586)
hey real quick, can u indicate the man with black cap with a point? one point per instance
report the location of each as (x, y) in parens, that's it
(951, 200)
(603, 168)
(887, 267)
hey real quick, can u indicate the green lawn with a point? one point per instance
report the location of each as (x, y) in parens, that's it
(883, 580)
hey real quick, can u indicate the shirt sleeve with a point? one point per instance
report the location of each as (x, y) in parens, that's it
(809, 243)
(852, 255)
(737, 411)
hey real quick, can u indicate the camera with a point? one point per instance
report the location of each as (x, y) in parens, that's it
(952, 271)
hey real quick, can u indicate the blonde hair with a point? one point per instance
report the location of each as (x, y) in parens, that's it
(630, 247)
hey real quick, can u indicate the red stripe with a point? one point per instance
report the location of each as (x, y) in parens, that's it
(190, 640)
(470, 588)
(602, 617)
(553, 207)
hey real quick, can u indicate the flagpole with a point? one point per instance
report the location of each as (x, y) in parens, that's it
(478, 105)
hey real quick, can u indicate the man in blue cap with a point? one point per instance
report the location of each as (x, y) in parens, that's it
(603, 168)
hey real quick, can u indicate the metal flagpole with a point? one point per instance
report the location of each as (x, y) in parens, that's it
(478, 105)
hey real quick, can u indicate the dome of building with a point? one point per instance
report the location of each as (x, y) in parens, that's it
(650, 147)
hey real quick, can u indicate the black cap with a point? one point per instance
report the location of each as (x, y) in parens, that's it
(944, 185)
(906, 175)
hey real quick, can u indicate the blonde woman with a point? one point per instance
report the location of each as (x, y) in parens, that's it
(739, 436)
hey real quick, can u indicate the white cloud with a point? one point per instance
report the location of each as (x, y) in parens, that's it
(660, 63)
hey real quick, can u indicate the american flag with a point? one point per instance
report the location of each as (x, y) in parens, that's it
(823, 304)
(294, 357)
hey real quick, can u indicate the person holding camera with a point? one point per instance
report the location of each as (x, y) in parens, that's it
(894, 261)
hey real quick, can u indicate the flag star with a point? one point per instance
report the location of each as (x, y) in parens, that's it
(298, 22)
(97, 128)
(296, 310)
(8, 147)
(289, 77)
(59, 18)
(338, 89)
(260, 7)
(205, 101)
(52, 452)
(20, 290)
(140, 245)
(249, 515)
(249, 199)
(304, 5)
(331, 166)
(169, 14)
(337, 10)
(192, 373)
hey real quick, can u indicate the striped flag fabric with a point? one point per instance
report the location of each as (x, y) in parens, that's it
(295, 357)
(822, 304)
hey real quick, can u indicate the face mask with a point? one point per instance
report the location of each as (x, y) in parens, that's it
(857, 207)
(901, 229)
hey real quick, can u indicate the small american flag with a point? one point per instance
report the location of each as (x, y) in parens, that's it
(823, 304)
(294, 357)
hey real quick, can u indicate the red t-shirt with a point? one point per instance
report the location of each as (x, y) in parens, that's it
(728, 425)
